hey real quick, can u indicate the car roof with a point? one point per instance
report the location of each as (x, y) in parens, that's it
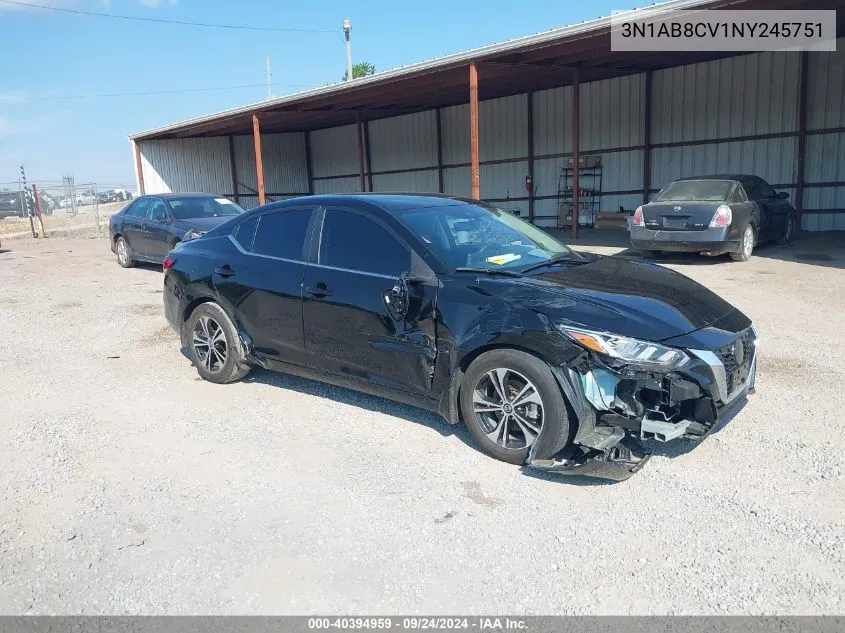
(171, 196)
(735, 177)
(391, 202)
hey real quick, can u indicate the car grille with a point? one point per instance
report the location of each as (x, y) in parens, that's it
(737, 357)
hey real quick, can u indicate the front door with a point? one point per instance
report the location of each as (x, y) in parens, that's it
(158, 236)
(349, 329)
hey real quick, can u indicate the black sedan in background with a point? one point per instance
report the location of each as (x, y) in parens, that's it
(552, 358)
(713, 215)
(148, 228)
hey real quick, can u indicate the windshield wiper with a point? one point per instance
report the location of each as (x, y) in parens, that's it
(489, 271)
(569, 259)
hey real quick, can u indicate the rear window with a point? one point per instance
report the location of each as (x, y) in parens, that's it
(282, 234)
(704, 190)
(245, 231)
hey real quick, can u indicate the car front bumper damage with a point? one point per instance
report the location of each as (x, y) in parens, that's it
(618, 405)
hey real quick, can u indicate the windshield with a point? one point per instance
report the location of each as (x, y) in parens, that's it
(481, 236)
(192, 207)
(704, 190)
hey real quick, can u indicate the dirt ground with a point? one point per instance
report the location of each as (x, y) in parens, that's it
(130, 486)
(63, 224)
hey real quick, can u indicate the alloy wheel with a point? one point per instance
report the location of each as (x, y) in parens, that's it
(122, 252)
(748, 242)
(209, 343)
(787, 233)
(508, 408)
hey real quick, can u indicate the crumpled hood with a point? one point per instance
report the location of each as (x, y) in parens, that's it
(613, 294)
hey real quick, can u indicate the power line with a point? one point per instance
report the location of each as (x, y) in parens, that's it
(114, 16)
(149, 93)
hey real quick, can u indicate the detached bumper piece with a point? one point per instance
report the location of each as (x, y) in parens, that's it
(615, 462)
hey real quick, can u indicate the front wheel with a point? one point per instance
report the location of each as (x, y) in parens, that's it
(510, 401)
(746, 246)
(215, 347)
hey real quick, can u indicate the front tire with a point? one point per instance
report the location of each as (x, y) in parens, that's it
(746, 246)
(510, 401)
(124, 253)
(214, 345)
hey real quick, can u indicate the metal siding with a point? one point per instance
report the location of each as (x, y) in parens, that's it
(194, 164)
(404, 142)
(456, 181)
(546, 172)
(825, 158)
(454, 125)
(737, 96)
(825, 92)
(248, 202)
(553, 121)
(338, 185)
(612, 113)
(417, 181)
(245, 165)
(503, 180)
(334, 151)
(284, 163)
(772, 159)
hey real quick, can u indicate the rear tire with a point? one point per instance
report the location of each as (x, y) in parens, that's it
(532, 411)
(214, 345)
(788, 230)
(124, 253)
(746, 246)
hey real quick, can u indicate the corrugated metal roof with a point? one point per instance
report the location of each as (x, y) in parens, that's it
(509, 46)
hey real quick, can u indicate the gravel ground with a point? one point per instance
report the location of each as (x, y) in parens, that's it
(129, 486)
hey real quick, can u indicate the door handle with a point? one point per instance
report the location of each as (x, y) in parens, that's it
(319, 290)
(224, 271)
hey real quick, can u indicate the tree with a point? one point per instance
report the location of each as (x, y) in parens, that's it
(361, 69)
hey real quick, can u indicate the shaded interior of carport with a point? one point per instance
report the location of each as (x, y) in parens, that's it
(579, 64)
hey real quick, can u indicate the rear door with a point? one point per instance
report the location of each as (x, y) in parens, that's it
(262, 280)
(348, 328)
(764, 198)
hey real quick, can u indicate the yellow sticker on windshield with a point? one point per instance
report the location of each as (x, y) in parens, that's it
(501, 260)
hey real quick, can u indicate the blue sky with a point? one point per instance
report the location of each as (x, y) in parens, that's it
(46, 56)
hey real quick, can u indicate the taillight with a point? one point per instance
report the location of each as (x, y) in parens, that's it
(638, 217)
(167, 264)
(722, 217)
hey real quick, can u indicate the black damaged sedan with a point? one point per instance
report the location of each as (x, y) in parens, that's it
(557, 360)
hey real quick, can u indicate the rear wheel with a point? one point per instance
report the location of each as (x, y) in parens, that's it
(510, 401)
(788, 230)
(215, 347)
(124, 253)
(746, 246)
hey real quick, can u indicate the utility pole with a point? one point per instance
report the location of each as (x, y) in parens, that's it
(269, 78)
(27, 207)
(347, 27)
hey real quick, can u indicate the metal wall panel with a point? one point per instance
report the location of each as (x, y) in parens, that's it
(825, 157)
(245, 165)
(338, 185)
(553, 121)
(284, 163)
(502, 130)
(503, 180)
(772, 159)
(248, 202)
(334, 151)
(183, 165)
(404, 142)
(418, 181)
(825, 92)
(737, 96)
(612, 113)
(456, 181)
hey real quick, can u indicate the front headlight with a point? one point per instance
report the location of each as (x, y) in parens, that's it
(627, 349)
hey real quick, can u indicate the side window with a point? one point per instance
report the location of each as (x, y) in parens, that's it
(139, 208)
(282, 234)
(765, 189)
(752, 188)
(245, 231)
(738, 194)
(351, 240)
(157, 211)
